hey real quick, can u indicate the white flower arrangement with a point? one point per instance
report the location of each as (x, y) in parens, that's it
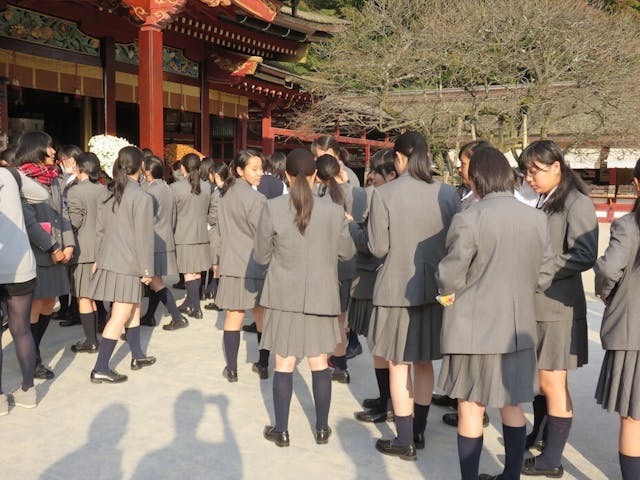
(106, 148)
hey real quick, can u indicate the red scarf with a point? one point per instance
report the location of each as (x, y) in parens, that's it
(44, 174)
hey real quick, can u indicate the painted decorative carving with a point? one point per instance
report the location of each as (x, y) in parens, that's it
(216, 3)
(173, 59)
(156, 13)
(236, 65)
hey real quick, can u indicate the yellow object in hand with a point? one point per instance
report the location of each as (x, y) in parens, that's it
(446, 300)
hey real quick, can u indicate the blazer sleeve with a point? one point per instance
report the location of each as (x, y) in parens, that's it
(213, 210)
(547, 268)
(255, 211)
(610, 267)
(263, 240)
(378, 227)
(346, 246)
(461, 247)
(37, 235)
(77, 211)
(31, 190)
(142, 215)
(581, 240)
(360, 237)
(68, 239)
(100, 226)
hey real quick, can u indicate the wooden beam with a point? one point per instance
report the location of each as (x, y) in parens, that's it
(285, 132)
(108, 51)
(268, 133)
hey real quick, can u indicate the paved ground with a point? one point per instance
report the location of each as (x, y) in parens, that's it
(181, 419)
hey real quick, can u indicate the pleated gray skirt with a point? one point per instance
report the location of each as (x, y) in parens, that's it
(115, 287)
(494, 380)
(52, 281)
(298, 334)
(81, 273)
(165, 263)
(235, 293)
(406, 334)
(359, 315)
(193, 258)
(363, 283)
(562, 345)
(618, 387)
(345, 291)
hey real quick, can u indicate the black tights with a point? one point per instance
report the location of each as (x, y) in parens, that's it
(19, 312)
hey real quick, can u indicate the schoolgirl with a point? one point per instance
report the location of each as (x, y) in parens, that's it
(617, 280)
(51, 235)
(123, 263)
(408, 222)
(360, 303)
(561, 310)
(498, 256)
(354, 202)
(301, 293)
(83, 200)
(327, 145)
(241, 278)
(195, 206)
(165, 216)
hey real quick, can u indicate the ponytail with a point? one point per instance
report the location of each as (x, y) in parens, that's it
(239, 161)
(128, 162)
(328, 169)
(302, 200)
(228, 183)
(191, 163)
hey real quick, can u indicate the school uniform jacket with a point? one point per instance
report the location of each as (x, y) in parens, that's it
(356, 205)
(83, 200)
(55, 212)
(302, 275)
(574, 242)
(498, 256)
(408, 223)
(165, 215)
(617, 281)
(237, 218)
(365, 260)
(194, 211)
(123, 240)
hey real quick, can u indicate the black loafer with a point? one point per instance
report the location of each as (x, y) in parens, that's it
(405, 452)
(212, 306)
(372, 403)
(444, 401)
(372, 416)
(353, 351)
(43, 373)
(486, 476)
(186, 309)
(261, 370)
(252, 328)
(341, 376)
(195, 314)
(452, 419)
(418, 440)
(183, 323)
(322, 435)
(178, 285)
(281, 439)
(70, 323)
(148, 321)
(533, 443)
(529, 468)
(107, 377)
(83, 347)
(138, 363)
(230, 375)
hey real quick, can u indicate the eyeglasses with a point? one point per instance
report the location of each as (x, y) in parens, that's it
(534, 171)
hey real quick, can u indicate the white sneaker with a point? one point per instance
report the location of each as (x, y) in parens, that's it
(23, 399)
(4, 405)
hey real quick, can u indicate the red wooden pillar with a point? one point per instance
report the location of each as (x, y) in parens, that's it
(244, 127)
(367, 150)
(150, 89)
(268, 139)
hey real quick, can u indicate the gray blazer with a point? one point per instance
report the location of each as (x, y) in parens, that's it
(365, 260)
(237, 218)
(123, 237)
(214, 231)
(55, 212)
(194, 211)
(617, 281)
(498, 256)
(356, 204)
(302, 274)
(574, 242)
(165, 215)
(83, 200)
(408, 223)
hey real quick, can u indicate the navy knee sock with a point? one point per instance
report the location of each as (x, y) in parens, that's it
(193, 293)
(514, 446)
(43, 324)
(133, 339)
(264, 353)
(153, 304)
(420, 413)
(321, 385)
(558, 429)
(282, 391)
(404, 426)
(630, 467)
(382, 377)
(539, 418)
(166, 297)
(88, 321)
(107, 346)
(231, 340)
(469, 450)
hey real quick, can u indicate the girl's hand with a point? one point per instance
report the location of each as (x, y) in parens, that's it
(146, 280)
(94, 268)
(68, 254)
(349, 216)
(57, 256)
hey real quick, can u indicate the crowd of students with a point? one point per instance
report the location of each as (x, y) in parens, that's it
(486, 279)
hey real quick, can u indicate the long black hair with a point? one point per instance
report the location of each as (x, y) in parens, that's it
(382, 162)
(205, 168)
(547, 153)
(239, 161)
(490, 172)
(328, 168)
(128, 162)
(88, 163)
(414, 146)
(32, 148)
(325, 143)
(191, 163)
(278, 163)
(154, 166)
(300, 165)
(221, 169)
